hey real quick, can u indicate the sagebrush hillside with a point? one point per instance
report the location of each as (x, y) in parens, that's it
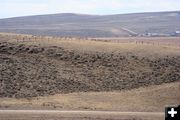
(34, 68)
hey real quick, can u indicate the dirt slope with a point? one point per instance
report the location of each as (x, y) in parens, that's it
(33, 70)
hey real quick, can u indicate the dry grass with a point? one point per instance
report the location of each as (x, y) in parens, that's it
(153, 98)
(136, 59)
(80, 116)
(161, 46)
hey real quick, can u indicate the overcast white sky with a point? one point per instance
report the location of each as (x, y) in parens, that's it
(13, 8)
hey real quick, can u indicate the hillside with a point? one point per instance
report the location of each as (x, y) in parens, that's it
(152, 98)
(80, 25)
(41, 66)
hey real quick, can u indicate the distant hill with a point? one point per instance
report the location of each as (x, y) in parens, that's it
(69, 24)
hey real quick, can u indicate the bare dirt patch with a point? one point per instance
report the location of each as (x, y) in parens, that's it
(78, 115)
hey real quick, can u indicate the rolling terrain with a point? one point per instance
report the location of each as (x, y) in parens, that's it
(40, 67)
(143, 99)
(43, 77)
(80, 25)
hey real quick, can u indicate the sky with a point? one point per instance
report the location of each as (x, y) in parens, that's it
(14, 8)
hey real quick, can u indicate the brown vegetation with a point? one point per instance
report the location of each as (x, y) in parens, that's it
(144, 99)
(30, 69)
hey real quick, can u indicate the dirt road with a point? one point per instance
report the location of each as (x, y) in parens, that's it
(78, 115)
